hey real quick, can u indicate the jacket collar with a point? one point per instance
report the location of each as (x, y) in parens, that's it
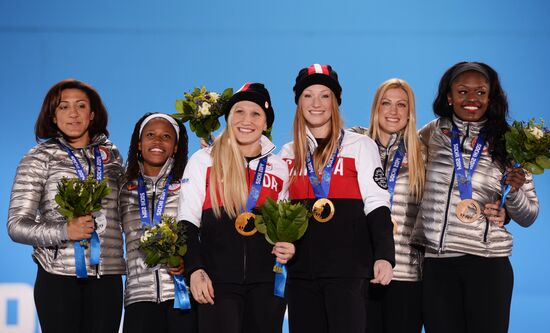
(466, 128)
(166, 168)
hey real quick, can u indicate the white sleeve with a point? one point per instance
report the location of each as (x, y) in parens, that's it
(371, 177)
(193, 189)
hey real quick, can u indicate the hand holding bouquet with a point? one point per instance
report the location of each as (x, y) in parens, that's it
(282, 222)
(528, 144)
(77, 198)
(165, 243)
(202, 109)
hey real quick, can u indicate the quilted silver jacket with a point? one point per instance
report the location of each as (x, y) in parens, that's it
(144, 284)
(33, 217)
(403, 212)
(437, 228)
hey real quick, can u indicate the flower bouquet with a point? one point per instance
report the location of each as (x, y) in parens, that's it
(164, 243)
(202, 109)
(282, 222)
(76, 198)
(528, 144)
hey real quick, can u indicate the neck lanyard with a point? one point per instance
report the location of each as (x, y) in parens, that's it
(256, 187)
(143, 202)
(322, 187)
(464, 178)
(98, 160)
(394, 169)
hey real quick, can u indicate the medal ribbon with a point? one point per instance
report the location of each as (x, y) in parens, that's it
(143, 202)
(464, 179)
(322, 187)
(256, 187)
(394, 169)
(506, 187)
(95, 250)
(280, 279)
(181, 294)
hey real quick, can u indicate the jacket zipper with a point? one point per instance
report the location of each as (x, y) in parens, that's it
(244, 240)
(450, 192)
(83, 151)
(157, 279)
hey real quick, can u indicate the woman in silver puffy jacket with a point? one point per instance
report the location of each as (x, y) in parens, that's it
(393, 128)
(467, 277)
(156, 159)
(72, 133)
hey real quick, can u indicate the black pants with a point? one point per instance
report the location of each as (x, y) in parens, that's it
(333, 305)
(68, 304)
(467, 294)
(395, 308)
(237, 308)
(142, 317)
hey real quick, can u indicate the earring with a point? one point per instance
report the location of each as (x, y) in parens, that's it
(450, 103)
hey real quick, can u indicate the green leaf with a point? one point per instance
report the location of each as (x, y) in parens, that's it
(533, 168)
(543, 161)
(283, 221)
(173, 261)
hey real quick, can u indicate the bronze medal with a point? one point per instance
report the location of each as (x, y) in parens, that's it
(244, 224)
(323, 210)
(468, 211)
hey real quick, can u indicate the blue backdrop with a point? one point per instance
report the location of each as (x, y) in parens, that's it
(142, 56)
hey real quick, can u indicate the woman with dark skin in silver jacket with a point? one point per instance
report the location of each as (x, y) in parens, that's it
(156, 160)
(468, 279)
(72, 133)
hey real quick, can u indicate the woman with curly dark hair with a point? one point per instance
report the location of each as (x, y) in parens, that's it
(467, 277)
(156, 160)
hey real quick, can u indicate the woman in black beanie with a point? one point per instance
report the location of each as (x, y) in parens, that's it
(349, 239)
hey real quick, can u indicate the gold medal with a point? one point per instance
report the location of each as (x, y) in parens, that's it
(323, 210)
(394, 226)
(468, 211)
(244, 224)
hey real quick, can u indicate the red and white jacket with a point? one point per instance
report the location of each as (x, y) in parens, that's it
(227, 256)
(361, 230)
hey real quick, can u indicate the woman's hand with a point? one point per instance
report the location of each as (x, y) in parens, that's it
(80, 228)
(176, 270)
(494, 213)
(383, 272)
(201, 287)
(516, 178)
(283, 251)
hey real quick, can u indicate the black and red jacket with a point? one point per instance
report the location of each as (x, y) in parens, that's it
(214, 244)
(361, 230)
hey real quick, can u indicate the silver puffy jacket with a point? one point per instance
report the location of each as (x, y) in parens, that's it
(144, 284)
(403, 212)
(437, 228)
(33, 217)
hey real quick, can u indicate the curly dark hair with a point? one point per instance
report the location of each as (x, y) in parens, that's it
(180, 158)
(497, 110)
(45, 128)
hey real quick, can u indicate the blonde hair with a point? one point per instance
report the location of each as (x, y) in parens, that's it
(324, 151)
(413, 146)
(227, 175)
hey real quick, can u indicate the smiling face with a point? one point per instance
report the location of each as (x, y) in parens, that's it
(73, 116)
(469, 96)
(393, 112)
(157, 143)
(316, 104)
(248, 121)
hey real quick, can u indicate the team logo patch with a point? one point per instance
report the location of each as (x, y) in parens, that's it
(105, 154)
(446, 132)
(269, 166)
(184, 180)
(174, 187)
(474, 142)
(380, 178)
(405, 162)
(131, 187)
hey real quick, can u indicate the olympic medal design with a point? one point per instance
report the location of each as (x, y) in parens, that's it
(323, 210)
(244, 224)
(468, 211)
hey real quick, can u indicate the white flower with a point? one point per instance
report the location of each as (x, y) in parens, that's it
(535, 131)
(204, 109)
(214, 97)
(146, 235)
